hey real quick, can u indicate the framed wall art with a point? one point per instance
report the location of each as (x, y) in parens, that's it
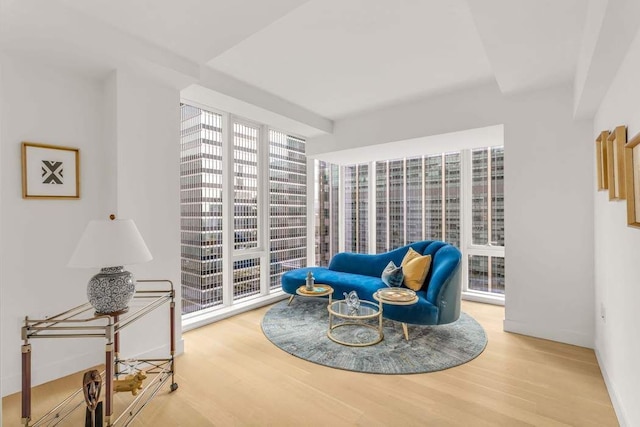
(632, 164)
(615, 157)
(601, 160)
(50, 172)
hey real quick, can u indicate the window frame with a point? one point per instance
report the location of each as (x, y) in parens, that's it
(230, 306)
(468, 247)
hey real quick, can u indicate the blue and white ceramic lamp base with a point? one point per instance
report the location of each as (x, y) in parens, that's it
(111, 290)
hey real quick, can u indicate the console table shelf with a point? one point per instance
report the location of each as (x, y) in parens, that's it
(82, 322)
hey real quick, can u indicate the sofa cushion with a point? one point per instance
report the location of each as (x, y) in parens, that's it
(392, 275)
(415, 268)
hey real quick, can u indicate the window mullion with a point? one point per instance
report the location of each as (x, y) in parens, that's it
(371, 224)
(388, 209)
(264, 215)
(467, 209)
(341, 209)
(404, 198)
(443, 196)
(227, 209)
(423, 191)
(489, 193)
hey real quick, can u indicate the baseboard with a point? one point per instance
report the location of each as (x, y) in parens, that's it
(560, 335)
(485, 299)
(611, 389)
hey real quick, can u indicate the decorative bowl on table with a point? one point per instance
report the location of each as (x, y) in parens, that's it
(396, 294)
(317, 289)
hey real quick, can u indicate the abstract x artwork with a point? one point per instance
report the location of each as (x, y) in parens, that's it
(50, 172)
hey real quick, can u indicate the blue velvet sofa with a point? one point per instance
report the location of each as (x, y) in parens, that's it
(439, 298)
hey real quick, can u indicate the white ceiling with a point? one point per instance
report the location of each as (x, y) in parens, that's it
(196, 29)
(334, 58)
(338, 57)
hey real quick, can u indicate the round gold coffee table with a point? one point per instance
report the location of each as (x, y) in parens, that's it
(397, 296)
(367, 311)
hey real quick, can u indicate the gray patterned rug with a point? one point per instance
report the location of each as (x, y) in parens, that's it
(301, 330)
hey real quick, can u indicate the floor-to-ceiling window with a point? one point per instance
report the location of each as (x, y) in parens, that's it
(246, 208)
(327, 182)
(356, 208)
(287, 205)
(201, 209)
(486, 246)
(243, 208)
(426, 197)
(417, 198)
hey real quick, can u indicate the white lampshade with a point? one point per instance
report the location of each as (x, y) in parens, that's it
(107, 243)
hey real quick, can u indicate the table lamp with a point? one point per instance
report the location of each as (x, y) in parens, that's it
(110, 245)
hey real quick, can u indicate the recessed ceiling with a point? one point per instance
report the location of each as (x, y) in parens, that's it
(339, 57)
(332, 58)
(530, 44)
(198, 30)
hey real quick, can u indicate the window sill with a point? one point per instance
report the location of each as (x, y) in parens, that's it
(196, 320)
(483, 298)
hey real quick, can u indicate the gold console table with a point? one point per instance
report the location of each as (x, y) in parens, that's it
(82, 322)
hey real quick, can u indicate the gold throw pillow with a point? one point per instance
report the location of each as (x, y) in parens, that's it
(415, 268)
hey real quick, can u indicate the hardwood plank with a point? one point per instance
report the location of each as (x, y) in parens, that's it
(231, 374)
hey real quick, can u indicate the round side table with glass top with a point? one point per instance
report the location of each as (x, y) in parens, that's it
(397, 296)
(351, 323)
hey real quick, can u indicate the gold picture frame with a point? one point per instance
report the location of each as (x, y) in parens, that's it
(601, 160)
(50, 172)
(632, 165)
(615, 159)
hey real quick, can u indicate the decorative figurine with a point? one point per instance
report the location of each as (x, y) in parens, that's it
(91, 385)
(131, 383)
(353, 302)
(310, 281)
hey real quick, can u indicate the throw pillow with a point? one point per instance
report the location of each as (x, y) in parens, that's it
(392, 275)
(415, 268)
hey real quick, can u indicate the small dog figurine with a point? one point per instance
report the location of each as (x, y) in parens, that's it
(131, 383)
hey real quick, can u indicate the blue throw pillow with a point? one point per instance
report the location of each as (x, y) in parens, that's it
(392, 275)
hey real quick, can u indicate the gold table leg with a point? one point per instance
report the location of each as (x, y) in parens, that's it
(406, 331)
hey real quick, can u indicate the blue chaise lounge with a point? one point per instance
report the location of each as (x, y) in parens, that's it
(439, 297)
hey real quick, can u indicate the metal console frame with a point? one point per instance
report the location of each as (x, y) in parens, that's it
(82, 322)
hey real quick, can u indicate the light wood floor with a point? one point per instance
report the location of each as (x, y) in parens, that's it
(231, 375)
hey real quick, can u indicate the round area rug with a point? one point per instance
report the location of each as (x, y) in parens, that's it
(300, 329)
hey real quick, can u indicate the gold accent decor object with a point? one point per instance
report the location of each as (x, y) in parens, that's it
(615, 157)
(632, 166)
(132, 383)
(396, 294)
(602, 163)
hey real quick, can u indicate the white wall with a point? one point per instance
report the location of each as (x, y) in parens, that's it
(126, 128)
(548, 197)
(617, 271)
(38, 236)
(1, 262)
(148, 190)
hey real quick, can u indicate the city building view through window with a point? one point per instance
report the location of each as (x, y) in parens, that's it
(415, 199)
(267, 225)
(243, 195)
